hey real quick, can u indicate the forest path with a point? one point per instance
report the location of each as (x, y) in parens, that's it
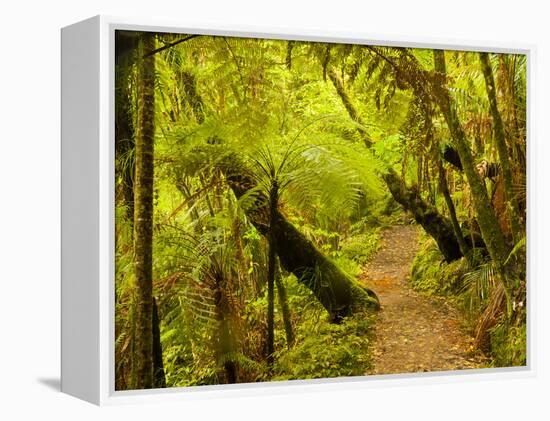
(413, 333)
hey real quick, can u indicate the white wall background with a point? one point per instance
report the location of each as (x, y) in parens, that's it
(29, 207)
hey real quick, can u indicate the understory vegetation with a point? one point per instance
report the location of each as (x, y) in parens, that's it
(254, 179)
(472, 285)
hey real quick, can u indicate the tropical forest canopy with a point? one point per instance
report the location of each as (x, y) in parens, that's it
(256, 179)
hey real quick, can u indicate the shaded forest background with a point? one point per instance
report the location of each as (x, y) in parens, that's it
(254, 178)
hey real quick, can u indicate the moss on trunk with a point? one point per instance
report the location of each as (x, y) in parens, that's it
(488, 224)
(158, 365)
(143, 220)
(338, 292)
(285, 310)
(126, 45)
(435, 224)
(502, 148)
(272, 257)
(452, 211)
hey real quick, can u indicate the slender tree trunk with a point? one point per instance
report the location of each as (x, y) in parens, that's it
(488, 224)
(207, 197)
(273, 200)
(285, 310)
(225, 339)
(452, 211)
(289, 48)
(158, 365)
(125, 46)
(288, 60)
(419, 172)
(230, 369)
(143, 219)
(192, 95)
(500, 139)
(349, 106)
(124, 145)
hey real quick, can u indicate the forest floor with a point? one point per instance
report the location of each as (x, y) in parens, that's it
(413, 332)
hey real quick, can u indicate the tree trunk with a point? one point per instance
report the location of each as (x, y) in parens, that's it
(502, 149)
(348, 105)
(225, 338)
(339, 294)
(285, 310)
(158, 365)
(125, 46)
(435, 224)
(143, 218)
(288, 60)
(193, 98)
(488, 224)
(452, 211)
(273, 200)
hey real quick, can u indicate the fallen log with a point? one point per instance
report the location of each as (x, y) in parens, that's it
(338, 292)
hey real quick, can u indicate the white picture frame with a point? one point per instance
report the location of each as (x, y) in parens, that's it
(88, 213)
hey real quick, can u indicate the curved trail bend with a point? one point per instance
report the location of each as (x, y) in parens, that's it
(413, 333)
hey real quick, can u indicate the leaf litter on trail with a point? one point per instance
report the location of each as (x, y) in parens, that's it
(413, 333)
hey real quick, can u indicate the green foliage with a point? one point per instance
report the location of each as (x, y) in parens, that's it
(361, 248)
(426, 270)
(274, 113)
(430, 274)
(478, 285)
(390, 149)
(471, 283)
(327, 350)
(509, 343)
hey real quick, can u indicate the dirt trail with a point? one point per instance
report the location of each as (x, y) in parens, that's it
(413, 333)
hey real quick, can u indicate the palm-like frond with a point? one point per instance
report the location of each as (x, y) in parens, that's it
(479, 283)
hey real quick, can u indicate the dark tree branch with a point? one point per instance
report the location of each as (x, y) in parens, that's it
(169, 45)
(451, 156)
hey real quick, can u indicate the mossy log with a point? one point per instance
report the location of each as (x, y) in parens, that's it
(435, 224)
(338, 292)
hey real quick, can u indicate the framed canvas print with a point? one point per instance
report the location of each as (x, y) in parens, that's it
(246, 209)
